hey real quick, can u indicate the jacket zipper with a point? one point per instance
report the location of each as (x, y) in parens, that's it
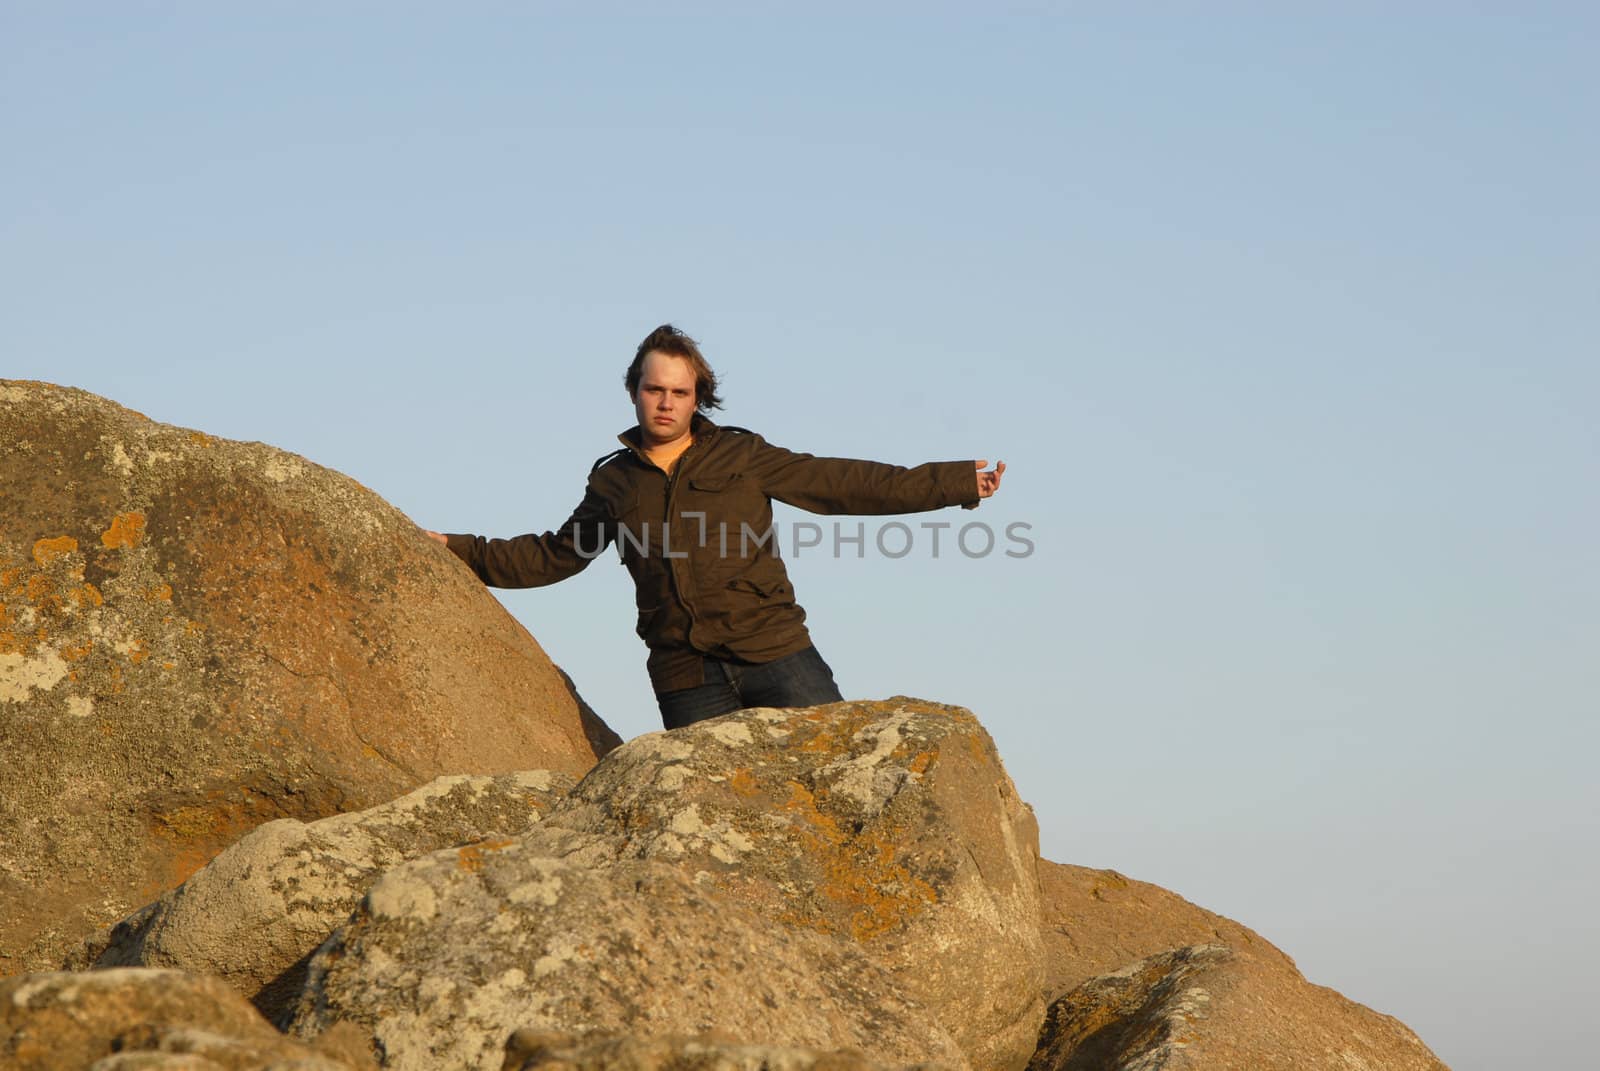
(666, 522)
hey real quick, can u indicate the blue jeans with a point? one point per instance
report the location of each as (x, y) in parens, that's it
(802, 679)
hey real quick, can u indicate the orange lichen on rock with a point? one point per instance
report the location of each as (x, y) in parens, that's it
(159, 593)
(833, 729)
(975, 746)
(41, 589)
(194, 833)
(880, 911)
(743, 782)
(471, 856)
(76, 654)
(138, 651)
(126, 530)
(861, 873)
(46, 551)
(88, 596)
(191, 821)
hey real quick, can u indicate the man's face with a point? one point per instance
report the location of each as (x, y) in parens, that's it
(665, 401)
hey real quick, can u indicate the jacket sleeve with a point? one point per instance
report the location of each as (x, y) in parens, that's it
(531, 561)
(844, 485)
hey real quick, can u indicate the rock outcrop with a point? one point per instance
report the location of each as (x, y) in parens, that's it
(1098, 921)
(1139, 977)
(536, 1050)
(450, 954)
(857, 876)
(844, 888)
(1209, 1006)
(891, 825)
(784, 850)
(254, 915)
(150, 1020)
(198, 636)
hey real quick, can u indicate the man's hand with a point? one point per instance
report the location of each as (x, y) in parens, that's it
(989, 482)
(436, 537)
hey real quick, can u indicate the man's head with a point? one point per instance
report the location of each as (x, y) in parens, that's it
(665, 400)
(670, 342)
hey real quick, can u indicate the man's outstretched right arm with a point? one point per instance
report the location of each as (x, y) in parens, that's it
(531, 561)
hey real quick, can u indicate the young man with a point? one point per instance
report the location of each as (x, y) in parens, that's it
(690, 505)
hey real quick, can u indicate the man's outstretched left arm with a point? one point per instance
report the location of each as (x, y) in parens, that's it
(846, 485)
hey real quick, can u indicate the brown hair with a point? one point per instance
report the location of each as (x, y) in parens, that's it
(674, 343)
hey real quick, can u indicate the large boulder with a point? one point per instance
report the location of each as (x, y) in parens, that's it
(1210, 1006)
(449, 954)
(1099, 921)
(150, 1020)
(254, 915)
(891, 825)
(1140, 977)
(197, 636)
(537, 1050)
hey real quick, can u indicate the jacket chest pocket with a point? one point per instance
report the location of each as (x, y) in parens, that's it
(711, 484)
(715, 496)
(730, 498)
(727, 515)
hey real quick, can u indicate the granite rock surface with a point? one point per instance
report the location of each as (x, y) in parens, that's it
(890, 825)
(254, 915)
(198, 636)
(535, 1050)
(1210, 1006)
(151, 1020)
(1098, 921)
(449, 954)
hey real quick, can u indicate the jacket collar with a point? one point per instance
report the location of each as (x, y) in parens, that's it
(702, 427)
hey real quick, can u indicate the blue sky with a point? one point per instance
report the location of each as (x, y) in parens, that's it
(1286, 327)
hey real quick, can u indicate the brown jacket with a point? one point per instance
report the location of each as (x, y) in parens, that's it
(700, 543)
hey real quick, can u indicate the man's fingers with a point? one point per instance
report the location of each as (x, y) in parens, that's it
(989, 482)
